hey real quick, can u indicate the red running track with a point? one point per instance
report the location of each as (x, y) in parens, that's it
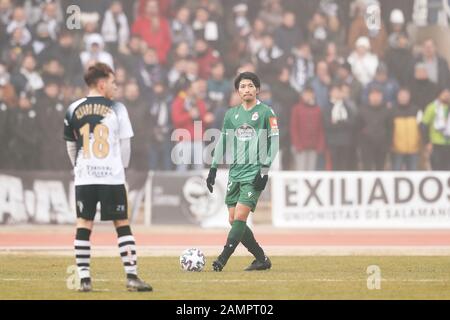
(282, 238)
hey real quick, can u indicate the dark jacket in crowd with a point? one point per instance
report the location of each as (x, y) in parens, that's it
(52, 154)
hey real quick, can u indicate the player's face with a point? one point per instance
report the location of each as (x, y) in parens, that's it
(110, 87)
(247, 90)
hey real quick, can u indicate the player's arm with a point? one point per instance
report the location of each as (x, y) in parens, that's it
(125, 151)
(218, 154)
(125, 133)
(69, 136)
(271, 150)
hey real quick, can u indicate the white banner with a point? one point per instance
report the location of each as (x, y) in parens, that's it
(417, 200)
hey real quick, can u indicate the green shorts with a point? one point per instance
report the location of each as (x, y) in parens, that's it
(242, 192)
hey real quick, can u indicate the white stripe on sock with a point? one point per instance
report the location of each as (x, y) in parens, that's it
(125, 239)
(82, 243)
(79, 252)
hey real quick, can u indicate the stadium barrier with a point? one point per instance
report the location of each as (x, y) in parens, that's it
(383, 200)
(376, 200)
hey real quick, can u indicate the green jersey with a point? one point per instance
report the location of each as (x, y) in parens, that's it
(249, 140)
(429, 118)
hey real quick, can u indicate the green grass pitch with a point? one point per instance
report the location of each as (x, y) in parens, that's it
(304, 277)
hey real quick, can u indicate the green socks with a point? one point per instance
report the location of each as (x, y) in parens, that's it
(234, 237)
(248, 240)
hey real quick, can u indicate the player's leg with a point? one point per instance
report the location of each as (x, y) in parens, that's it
(234, 236)
(114, 205)
(82, 247)
(86, 202)
(248, 240)
(127, 249)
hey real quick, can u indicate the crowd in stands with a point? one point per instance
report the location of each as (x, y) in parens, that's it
(347, 97)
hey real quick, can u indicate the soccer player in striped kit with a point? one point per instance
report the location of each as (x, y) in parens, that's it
(97, 131)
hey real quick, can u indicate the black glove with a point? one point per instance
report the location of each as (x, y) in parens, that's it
(211, 179)
(260, 180)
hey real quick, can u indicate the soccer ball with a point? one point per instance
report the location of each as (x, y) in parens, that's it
(192, 260)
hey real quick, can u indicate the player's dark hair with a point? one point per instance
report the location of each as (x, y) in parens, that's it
(247, 76)
(97, 72)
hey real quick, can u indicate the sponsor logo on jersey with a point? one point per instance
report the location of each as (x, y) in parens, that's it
(249, 194)
(255, 116)
(236, 116)
(245, 132)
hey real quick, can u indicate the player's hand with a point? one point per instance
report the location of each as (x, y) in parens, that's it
(211, 179)
(260, 180)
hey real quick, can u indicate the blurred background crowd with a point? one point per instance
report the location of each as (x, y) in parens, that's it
(348, 97)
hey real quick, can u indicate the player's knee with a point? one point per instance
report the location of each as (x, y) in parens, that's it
(121, 223)
(85, 224)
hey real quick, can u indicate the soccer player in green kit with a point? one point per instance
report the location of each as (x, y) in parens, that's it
(250, 130)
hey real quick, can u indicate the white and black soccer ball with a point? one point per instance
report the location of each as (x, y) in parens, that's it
(192, 259)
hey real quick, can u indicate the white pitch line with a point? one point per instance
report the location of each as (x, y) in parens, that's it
(243, 280)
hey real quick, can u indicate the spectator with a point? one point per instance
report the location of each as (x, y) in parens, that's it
(8, 100)
(51, 18)
(181, 51)
(131, 56)
(388, 85)
(151, 72)
(115, 29)
(284, 99)
(19, 21)
(154, 29)
(400, 60)
(270, 57)
(288, 34)
(215, 7)
(49, 112)
(307, 132)
(160, 124)
(437, 67)
(406, 133)
(206, 28)
(436, 131)
(271, 14)
(358, 28)
(23, 143)
(28, 79)
(239, 25)
(344, 75)
(205, 57)
(218, 88)
(255, 38)
(363, 62)
(397, 20)
(375, 127)
(320, 83)
(302, 66)
(187, 108)
(181, 30)
(65, 51)
(423, 90)
(137, 110)
(95, 52)
(339, 123)
(319, 34)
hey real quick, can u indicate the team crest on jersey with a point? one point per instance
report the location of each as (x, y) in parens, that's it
(245, 132)
(255, 116)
